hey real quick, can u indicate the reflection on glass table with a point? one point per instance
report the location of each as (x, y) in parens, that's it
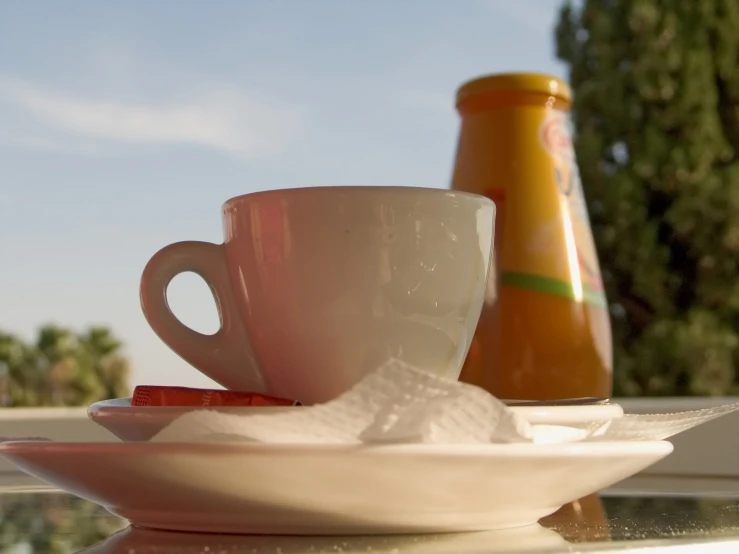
(52, 522)
(57, 523)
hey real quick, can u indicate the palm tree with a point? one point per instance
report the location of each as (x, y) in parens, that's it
(62, 368)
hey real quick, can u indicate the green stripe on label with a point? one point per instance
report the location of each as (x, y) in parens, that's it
(552, 286)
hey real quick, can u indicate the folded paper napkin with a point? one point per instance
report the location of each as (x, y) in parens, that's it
(399, 403)
(396, 403)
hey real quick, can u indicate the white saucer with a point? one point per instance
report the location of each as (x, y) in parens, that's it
(569, 415)
(331, 489)
(140, 423)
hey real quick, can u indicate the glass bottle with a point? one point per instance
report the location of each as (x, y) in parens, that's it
(544, 332)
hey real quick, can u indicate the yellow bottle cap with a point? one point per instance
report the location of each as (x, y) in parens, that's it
(513, 82)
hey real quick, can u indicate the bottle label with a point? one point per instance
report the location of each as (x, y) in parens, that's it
(566, 234)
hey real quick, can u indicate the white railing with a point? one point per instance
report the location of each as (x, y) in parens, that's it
(709, 452)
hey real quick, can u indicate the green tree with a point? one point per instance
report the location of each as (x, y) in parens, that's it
(62, 368)
(656, 120)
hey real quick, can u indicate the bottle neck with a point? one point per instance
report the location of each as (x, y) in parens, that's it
(502, 140)
(509, 99)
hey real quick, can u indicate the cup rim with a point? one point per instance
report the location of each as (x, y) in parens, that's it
(478, 198)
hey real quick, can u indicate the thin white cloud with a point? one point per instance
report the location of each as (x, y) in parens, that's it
(34, 142)
(223, 119)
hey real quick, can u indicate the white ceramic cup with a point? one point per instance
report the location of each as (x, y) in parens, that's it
(316, 287)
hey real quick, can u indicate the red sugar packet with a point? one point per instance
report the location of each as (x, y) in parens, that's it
(149, 395)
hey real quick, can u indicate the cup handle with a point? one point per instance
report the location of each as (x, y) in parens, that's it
(226, 356)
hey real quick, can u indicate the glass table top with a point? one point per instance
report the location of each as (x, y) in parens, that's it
(43, 521)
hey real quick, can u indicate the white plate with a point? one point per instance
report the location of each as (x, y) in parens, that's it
(331, 489)
(140, 423)
(532, 538)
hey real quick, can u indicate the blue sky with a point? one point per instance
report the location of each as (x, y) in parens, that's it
(125, 126)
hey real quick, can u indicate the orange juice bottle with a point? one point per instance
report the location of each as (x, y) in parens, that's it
(544, 332)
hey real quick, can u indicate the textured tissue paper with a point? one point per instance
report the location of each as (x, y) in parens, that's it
(399, 403)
